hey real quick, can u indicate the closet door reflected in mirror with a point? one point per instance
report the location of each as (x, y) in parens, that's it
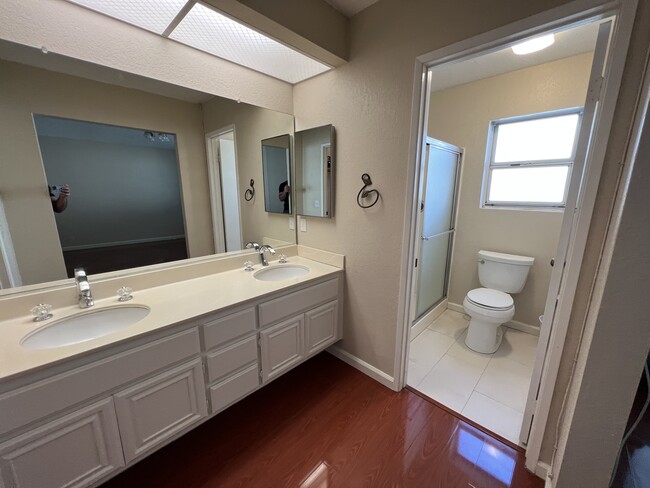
(314, 183)
(276, 165)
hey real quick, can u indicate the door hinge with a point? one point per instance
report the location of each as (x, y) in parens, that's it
(595, 89)
(416, 262)
(422, 206)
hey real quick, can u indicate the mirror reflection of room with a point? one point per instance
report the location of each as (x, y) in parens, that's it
(277, 170)
(314, 154)
(156, 212)
(126, 209)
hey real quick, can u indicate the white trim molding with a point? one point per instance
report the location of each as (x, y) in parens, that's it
(366, 368)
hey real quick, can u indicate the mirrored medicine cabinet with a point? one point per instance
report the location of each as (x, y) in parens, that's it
(315, 151)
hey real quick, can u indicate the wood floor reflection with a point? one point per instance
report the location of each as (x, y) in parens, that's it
(326, 425)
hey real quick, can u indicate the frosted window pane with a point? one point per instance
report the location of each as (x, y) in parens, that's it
(152, 15)
(212, 32)
(539, 184)
(536, 140)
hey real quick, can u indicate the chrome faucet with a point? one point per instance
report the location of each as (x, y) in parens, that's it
(83, 288)
(260, 250)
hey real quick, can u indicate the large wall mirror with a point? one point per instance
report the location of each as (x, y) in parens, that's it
(315, 161)
(110, 177)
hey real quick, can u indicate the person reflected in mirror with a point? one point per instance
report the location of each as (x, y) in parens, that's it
(285, 195)
(59, 196)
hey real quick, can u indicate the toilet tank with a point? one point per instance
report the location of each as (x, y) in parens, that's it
(503, 272)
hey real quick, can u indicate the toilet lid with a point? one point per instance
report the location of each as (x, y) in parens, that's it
(487, 297)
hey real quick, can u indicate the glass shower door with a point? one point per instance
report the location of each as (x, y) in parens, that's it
(436, 223)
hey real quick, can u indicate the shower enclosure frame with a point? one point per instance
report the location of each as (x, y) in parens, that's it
(445, 146)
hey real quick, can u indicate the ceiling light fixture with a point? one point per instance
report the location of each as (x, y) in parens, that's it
(533, 45)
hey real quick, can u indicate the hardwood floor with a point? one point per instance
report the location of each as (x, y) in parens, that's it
(326, 425)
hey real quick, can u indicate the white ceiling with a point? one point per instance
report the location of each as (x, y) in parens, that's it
(350, 8)
(570, 42)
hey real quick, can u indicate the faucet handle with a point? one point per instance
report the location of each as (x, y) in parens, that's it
(283, 258)
(41, 312)
(249, 266)
(124, 294)
(253, 245)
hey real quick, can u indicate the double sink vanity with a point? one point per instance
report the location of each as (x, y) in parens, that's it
(87, 393)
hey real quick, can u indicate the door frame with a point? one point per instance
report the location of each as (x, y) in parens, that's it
(214, 177)
(445, 146)
(573, 13)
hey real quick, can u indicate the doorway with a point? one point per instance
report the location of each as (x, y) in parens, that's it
(440, 364)
(224, 189)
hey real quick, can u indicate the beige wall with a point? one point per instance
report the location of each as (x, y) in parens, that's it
(25, 90)
(369, 103)
(461, 116)
(252, 124)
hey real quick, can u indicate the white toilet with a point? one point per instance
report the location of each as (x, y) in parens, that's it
(492, 306)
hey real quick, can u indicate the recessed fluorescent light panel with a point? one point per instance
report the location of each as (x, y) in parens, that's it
(152, 15)
(533, 45)
(205, 29)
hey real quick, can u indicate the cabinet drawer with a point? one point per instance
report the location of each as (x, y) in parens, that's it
(321, 327)
(226, 329)
(156, 409)
(299, 301)
(76, 450)
(67, 389)
(232, 358)
(282, 347)
(232, 389)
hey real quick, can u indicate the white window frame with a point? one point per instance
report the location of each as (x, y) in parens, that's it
(490, 165)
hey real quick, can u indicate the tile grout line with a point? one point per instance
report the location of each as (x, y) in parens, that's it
(475, 384)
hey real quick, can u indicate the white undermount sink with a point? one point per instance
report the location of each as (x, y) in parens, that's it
(281, 272)
(84, 327)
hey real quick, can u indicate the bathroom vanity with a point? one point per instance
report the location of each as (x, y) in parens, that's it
(76, 415)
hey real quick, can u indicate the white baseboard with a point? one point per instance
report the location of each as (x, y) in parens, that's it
(428, 319)
(542, 470)
(513, 324)
(364, 367)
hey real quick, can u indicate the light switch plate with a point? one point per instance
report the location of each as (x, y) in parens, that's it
(303, 225)
(292, 223)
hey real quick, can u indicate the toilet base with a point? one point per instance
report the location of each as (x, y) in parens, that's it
(484, 338)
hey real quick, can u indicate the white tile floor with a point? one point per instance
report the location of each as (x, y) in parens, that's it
(490, 389)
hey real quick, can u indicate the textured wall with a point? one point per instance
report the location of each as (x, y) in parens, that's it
(461, 116)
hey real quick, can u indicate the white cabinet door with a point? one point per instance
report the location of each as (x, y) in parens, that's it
(321, 327)
(158, 408)
(282, 347)
(76, 450)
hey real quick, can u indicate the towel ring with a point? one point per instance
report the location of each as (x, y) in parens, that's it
(363, 193)
(250, 192)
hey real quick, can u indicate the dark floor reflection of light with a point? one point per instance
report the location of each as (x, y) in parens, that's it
(495, 461)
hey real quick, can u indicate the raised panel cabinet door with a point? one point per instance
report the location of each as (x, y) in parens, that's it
(158, 408)
(282, 347)
(321, 327)
(76, 450)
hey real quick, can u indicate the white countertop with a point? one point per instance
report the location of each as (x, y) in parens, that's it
(170, 304)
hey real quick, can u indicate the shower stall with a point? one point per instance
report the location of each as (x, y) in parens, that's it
(436, 223)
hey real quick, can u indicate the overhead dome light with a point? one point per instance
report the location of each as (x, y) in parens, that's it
(533, 45)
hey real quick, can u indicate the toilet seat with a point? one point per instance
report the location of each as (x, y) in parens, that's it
(490, 299)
